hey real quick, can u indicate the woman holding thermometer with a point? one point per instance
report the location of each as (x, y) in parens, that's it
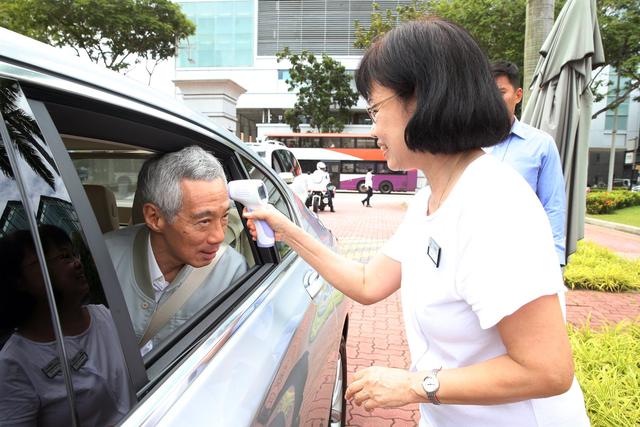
(474, 259)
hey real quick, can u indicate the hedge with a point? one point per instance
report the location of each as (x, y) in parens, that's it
(595, 268)
(602, 202)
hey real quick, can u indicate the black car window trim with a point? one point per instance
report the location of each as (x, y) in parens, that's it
(33, 226)
(96, 244)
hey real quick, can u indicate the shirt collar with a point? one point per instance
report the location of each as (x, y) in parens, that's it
(518, 129)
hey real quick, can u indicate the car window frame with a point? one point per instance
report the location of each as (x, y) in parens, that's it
(144, 375)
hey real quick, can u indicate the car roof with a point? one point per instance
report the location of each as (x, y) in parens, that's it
(21, 51)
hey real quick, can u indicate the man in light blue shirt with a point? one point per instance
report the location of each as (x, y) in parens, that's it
(534, 154)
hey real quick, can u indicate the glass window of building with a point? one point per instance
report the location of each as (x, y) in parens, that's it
(224, 34)
(623, 108)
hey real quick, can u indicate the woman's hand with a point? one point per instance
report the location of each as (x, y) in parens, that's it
(378, 387)
(269, 214)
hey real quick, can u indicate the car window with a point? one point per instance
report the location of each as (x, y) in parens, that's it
(153, 326)
(46, 266)
(276, 198)
(277, 162)
(286, 161)
(100, 143)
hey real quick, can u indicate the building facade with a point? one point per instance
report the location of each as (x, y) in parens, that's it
(228, 70)
(626, 123)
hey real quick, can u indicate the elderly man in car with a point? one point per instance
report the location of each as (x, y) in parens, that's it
(176, 262)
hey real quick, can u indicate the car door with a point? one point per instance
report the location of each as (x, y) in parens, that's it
(63, 357)
(306, 375)
(249, 338)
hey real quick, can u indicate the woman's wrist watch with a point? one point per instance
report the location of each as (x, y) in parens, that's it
(431, 385)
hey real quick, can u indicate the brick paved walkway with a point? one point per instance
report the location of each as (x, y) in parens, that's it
(376, 332)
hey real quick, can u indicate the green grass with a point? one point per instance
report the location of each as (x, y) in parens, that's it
(627, 216)
(595, 268)
(607, 365)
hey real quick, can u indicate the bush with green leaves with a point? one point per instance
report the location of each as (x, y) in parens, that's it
(607, 366)
(603, 202)
(595, 268)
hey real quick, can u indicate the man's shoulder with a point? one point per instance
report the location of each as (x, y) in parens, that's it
(526, 131)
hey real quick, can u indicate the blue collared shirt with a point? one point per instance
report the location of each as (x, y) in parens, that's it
(534, 154)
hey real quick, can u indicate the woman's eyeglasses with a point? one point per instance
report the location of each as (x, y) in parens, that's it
(373, 110)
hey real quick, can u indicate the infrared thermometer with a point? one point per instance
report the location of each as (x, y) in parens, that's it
(252, 193)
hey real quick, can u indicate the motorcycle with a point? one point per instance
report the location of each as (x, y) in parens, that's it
(318, 200)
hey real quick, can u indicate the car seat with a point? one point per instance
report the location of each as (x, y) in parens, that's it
(103, 203)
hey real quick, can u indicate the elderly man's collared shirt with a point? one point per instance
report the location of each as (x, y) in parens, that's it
(534, 154)
(157, 278)
(133, 272)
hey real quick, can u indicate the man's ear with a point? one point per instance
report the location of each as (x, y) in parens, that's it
(518, 95)
(153, 217)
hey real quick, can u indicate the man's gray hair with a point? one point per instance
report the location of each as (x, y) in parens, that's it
(160, 177)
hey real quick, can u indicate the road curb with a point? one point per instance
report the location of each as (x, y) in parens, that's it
(615, 226)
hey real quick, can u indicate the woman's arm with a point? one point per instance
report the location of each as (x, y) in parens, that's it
(366, 284)
(538, 363)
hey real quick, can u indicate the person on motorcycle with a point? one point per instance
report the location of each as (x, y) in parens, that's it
(318, 182)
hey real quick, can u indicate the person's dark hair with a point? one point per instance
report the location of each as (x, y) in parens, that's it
(458, 106)
(16, 305)
(508, 70)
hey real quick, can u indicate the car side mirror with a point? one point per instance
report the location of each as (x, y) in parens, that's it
(287, 177)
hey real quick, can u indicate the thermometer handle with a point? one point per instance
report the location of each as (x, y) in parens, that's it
(266, 238)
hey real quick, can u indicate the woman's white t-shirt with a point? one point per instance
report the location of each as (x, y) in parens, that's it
(496, 254)
(101, 384)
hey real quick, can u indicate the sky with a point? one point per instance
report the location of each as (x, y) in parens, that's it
(161, 78)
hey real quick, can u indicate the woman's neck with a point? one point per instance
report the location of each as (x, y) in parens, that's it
(443, 171)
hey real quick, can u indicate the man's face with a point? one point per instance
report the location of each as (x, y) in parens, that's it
(511, 95)
(197, 231)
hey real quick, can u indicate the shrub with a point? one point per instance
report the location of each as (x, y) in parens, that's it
(602, 202)
(608, 369)
(596, 268)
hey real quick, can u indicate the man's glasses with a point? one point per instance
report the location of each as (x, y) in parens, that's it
(373, 110)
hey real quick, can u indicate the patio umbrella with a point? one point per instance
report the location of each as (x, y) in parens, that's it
(560, 102)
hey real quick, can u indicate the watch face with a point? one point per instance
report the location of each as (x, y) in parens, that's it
(430, 384)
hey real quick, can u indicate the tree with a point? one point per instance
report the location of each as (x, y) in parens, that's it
(539, 22)
(116, 33)
(619, 23)
(324, 91)
(497, 25)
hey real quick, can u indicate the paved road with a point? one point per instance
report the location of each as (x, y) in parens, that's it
(376, 332)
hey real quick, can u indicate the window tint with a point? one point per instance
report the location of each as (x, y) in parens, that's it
(275, 198)
(51, 289)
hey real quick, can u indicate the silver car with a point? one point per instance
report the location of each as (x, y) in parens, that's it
(269, 350)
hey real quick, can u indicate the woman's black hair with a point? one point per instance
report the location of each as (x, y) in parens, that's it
(16, 305)
(458, 106)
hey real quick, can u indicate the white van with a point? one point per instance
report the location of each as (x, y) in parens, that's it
(281, 159)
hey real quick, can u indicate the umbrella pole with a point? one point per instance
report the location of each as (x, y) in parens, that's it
(614, 129)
